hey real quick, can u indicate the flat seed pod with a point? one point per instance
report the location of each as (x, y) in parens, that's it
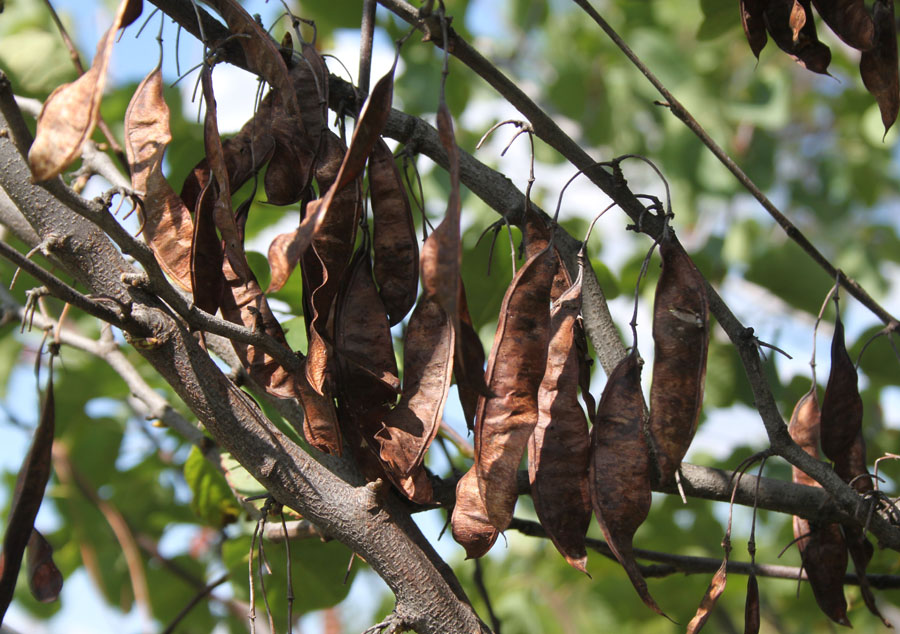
(70, 114)
(559, 448)
(469, 521)
(822, 548)
(850, 20)
(842, 406)
(207, 279)
(878, 66)
(620, 467)
(754, 25)
(751, 606)
(468, 362)
(410, 427)
(320, 419)
(394, 242)
(166, 221)
(515, 369)
(681, 335)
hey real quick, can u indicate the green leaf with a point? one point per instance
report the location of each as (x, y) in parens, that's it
(213, 500)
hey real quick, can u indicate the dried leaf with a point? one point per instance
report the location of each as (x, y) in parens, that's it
(394, 241)
(878, 66)
(559, 448)
(842, 406)
(427, 369)
(27, 497)
(44, 579)
(793, 29)
(681, 335)
(754, 25)
(469, 522)
(166, 221)
(713, 592)
(751, 606)
(850, 21)
(70, 114)
(620, 467)
(515, 369)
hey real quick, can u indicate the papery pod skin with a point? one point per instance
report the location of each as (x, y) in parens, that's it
(754, 25)
(751, 606)
(559, 447)
(850, 20)
(822, 547)
(793, 29)
(878, 66)
(620, 467)
(469, 521)
(515, 369)
(710, 598)
(681, 335)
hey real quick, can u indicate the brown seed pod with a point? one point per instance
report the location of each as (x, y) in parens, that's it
(559, 448)
(394, 242)
(751, 606)
(681, 335)
(70, 114)
(207, 279)
(515, 368)
(620, 467)
(822, 548)
(878, 65)
(44, 579)
(710, 598)
(320, 419)
(842, 406)
(427, 370)
(754, 25)
(469, 522)
(850, 20)
(166, 221)
(793, 29)
(468, 362)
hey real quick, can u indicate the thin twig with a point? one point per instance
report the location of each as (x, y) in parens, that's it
(367, 32)
(478, 576)
(204, 592)
(685, 116)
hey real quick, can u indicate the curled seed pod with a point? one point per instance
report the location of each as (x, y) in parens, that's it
(515, 368)
(620, 467)
(320, 420)
(793, 29)
(681, 335)
(878, 66)
(559, 448)
(469, 522)
(166, 221)
(822, 547)
(394, 242)
(710, 598)
(842, 406)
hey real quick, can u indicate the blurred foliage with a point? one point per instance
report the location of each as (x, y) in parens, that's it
(814, 144)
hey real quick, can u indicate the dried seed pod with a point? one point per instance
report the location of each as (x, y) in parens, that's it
(620, 467)
(469, 522)
(207, 279)
(754, 25)
(681, 335)
(793, 29)
(320, 419)
(878, 66)
(751, 606)
(515, 368)
(166, 221)
(394, 242)
(559, 448)
(850, 20)
(822, 548)
(842, 406)
(70, 114)
(710, 598)
(44, 578)
(427, 370)
(468, 362)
